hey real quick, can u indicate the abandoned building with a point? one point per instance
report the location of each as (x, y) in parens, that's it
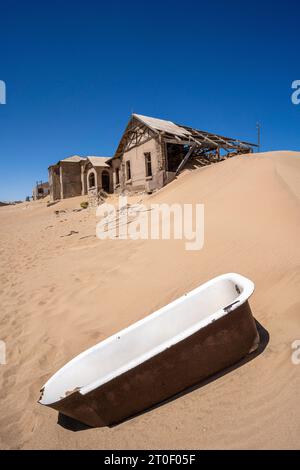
(153, 151)
(76, 176)
(40, 190)
(150, 154)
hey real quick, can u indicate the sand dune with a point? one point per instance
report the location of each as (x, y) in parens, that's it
(61, 294)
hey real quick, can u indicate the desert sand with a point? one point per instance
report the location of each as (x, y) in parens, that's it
(62, 294)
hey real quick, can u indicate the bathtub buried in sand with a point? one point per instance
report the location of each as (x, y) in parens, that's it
(197, 335)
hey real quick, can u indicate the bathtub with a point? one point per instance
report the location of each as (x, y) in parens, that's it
(188, 340)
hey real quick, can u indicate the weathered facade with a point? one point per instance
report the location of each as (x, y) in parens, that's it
(65, 178)
(97, 176)
(76, 176)
(153, 151)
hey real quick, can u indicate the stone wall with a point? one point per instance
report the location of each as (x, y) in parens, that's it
(54, 182)
(136, 156)
(70, 179)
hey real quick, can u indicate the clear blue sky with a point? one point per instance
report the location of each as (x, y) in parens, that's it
(75, 70)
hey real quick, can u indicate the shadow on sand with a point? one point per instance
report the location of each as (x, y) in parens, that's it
(74, 425)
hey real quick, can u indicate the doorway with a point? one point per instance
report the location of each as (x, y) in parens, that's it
(92, 180)
(105, 181)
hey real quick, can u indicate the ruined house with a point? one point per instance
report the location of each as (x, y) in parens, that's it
(40, 190)
(153, 151)
(150, 154)
(65, 178)
(76, 176)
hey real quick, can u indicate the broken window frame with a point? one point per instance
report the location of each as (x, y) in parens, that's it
(128, 170)
(93, 178)
(148, 164)
(117, 173)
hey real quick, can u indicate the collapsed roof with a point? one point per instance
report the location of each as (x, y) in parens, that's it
(141, 128)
